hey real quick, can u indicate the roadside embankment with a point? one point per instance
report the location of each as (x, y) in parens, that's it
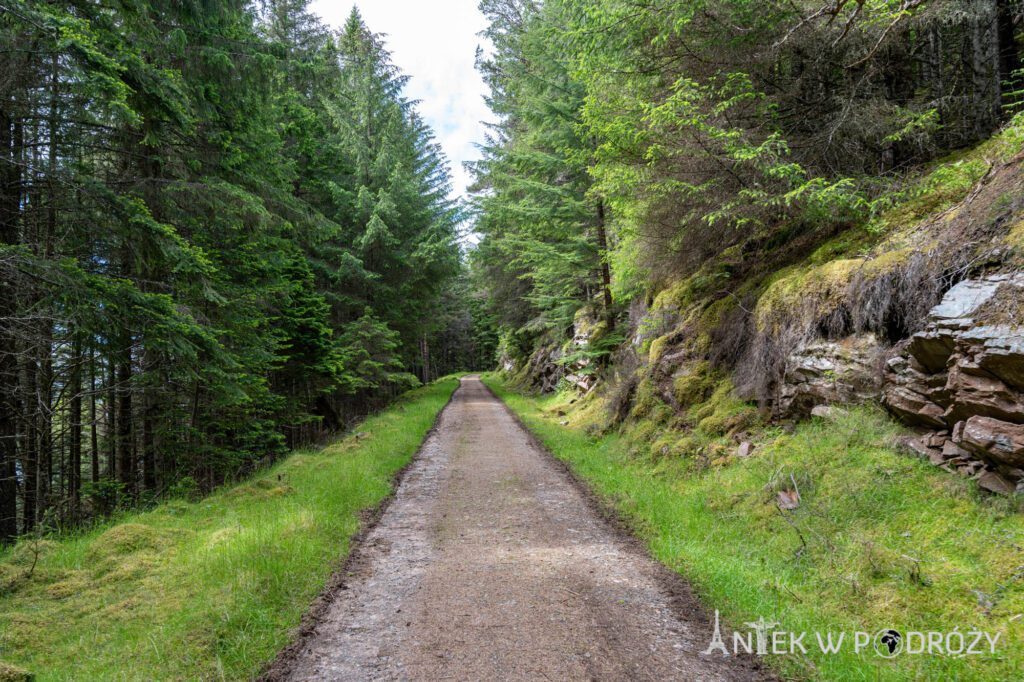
(826, 528)
(208, 589)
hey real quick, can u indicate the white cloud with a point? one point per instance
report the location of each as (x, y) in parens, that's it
(435, 44)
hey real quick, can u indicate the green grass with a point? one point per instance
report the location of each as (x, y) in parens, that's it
(888, 540)
(205, 590)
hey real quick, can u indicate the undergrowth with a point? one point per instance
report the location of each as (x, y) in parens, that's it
(206, 590)
(880, 539)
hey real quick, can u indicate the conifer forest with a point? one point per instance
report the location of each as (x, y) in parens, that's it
(714, 316)
(225, 232)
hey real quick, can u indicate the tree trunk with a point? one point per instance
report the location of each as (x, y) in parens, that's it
(44, 417)
(149, 411)
(29, 448)
(1009, 59)
(985, 69)
(94, 444)
(125, 454)
(606, 274)
(74, 475)
(425, 355)
(977, 78)
(10, 187)
(111, 420)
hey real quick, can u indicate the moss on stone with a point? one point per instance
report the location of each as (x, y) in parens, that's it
(888, 261)
(723, 412)
(677, 295)
(657, 349)
(12, 673)
(849, 243)
(805, 292)
(585, 321)
(662, 446)
(1006, 307)
(645, 431)
(598, 332)
(646, 399)
(693, 383)
(1014, 239)
(687, 446)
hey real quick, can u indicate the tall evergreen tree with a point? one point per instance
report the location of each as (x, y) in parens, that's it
(540, 221)
(206, 253)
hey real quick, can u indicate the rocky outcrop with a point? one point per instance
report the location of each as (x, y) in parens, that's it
(843, 371)
(960, 381)
(544, 370)
(964, 377)
(580, 372)
(550, 364)
(1001, 443)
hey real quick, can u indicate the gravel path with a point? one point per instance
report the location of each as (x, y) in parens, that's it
(491, 563)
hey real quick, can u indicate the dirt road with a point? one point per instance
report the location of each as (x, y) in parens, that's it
(491, 563)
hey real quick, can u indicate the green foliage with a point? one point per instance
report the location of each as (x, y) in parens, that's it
(697, 127)
(543, 245)
(239, 230)
(599, 348)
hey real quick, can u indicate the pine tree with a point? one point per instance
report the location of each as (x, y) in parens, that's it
(540, 220)
(201, 263)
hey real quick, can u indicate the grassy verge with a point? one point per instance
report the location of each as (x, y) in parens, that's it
(205, 590)
(880, 539)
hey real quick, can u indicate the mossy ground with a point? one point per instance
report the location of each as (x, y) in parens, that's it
(206, 590)
(880, 539)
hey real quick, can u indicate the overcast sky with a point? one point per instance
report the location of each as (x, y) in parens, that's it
(434, 42)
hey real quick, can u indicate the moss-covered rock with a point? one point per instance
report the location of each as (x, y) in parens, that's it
(693, 383)
(676, 295)
(646, 399)
(1006, 307)
(645, 431)
(657, 349)
(663, 445)
(13, 673)
(723, 413)
(1014, 239)
(804, 294)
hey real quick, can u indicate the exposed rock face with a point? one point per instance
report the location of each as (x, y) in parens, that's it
(1002, 350)
(994, 483)
(579, 373)
(962, 378)
(1000, 442)
(967, 376)
(843, 371)
(546, 367)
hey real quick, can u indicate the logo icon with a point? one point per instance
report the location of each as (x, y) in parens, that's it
(888, 643)
(761, 628)
(716, 640)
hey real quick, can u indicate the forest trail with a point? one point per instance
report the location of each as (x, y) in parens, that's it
(491, 563)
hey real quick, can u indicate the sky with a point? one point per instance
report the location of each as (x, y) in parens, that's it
(434, 42)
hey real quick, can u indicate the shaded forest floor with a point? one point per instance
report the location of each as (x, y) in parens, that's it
(880, 539)
(208, 589)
